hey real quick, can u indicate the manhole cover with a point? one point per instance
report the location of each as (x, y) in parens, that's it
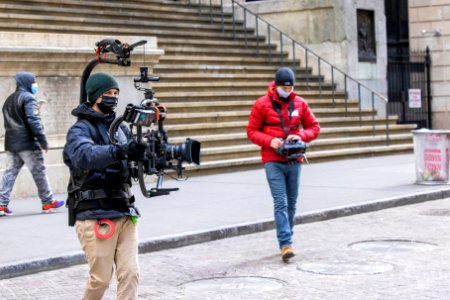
(393, 246)
(345, 267)
(437, 212)
(234, 285)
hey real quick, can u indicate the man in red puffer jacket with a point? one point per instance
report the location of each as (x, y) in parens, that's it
(278, 117)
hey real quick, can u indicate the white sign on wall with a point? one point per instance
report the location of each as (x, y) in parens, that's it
(415, 98)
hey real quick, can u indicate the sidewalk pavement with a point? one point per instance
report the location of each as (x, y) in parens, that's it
(333, 261)
(217, 206)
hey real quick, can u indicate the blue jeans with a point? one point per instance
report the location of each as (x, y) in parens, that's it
(34, 161)
(283, 181)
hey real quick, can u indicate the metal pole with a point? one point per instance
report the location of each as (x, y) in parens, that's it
(210, 12)
(306, 69)
(270, 49)
(293, 57)
(281, 49)
(387, 128)
(346, 94)
(320, 80)
(234, 21)
(221, 15)
(359, 103)
(373, 114)
(245, 27)
(257, 35)
(428, 67)
(332, 86)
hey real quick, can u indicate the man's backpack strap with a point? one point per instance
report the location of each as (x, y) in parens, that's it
(93, 130)
(79, 175)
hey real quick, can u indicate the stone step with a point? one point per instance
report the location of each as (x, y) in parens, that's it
(229, 138)
(235, 132)
(183, 130)
(241, 115)
(229, 60)
(220, 109)
(184, 50)
(221, 44)
(228, 77)
(92, 19)
(232, 165)
(79, 25)
(230, 86)
(220, 69)
(127, 9)
(197, 96)
(159, 12)
(365, 130)
(356, 121)
(251, 150)
(183, 107)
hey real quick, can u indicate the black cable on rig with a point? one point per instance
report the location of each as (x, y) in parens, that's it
(86, 73)
(141, 166)
(113, 129)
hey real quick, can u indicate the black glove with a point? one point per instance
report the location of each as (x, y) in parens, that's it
(132, 151)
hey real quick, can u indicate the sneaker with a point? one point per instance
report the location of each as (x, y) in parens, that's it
(55, 204)
(287, 253)
(5, 211)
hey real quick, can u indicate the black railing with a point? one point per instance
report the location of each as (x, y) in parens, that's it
(351, 86)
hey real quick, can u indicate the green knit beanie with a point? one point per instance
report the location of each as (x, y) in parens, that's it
(99, 83)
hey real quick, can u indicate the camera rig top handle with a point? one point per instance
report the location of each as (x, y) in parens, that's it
(122, 52)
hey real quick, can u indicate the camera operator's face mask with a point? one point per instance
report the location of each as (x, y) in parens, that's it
(108, 104)
(284, 91)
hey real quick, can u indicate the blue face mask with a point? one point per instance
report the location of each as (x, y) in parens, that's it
(34, 88)
(282, 93)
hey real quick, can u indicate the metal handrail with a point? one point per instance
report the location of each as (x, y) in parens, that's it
(308, 53)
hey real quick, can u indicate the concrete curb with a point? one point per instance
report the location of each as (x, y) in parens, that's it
(202, 236)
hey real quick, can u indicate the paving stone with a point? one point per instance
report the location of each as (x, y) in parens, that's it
(416, 274)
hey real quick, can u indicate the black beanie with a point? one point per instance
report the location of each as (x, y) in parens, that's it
(99, 83)
(284, 77)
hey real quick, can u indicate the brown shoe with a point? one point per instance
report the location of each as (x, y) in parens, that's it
(287, 253)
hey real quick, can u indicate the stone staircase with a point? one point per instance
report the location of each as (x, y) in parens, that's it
(209, 80)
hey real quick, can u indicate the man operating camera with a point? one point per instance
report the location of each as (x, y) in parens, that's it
(275, 124)
(100, 202)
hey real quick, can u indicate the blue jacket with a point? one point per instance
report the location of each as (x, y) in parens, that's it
(23, 126)
(97, 156)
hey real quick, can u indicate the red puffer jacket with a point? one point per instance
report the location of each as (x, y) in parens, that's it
(265, 124)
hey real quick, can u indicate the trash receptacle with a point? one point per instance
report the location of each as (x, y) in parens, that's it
(431, 149)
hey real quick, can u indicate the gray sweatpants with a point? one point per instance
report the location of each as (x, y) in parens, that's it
(34, 161)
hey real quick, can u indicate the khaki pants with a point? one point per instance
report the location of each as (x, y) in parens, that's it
(120, 250)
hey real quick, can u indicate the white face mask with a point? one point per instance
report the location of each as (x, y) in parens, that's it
(282, 93)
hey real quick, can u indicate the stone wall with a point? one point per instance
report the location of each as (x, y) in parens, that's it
(329, 29)
(429, 27)
(58, 61)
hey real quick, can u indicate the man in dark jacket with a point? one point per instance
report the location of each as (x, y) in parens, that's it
(24, 142)
(277, 117)
(99, 190)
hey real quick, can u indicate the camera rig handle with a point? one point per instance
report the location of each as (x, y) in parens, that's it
(122, 52)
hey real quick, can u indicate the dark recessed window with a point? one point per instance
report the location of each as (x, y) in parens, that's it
(366, 35)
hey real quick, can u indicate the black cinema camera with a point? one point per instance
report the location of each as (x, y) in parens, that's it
(159, 155)
(293, 150)
(150, 114)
